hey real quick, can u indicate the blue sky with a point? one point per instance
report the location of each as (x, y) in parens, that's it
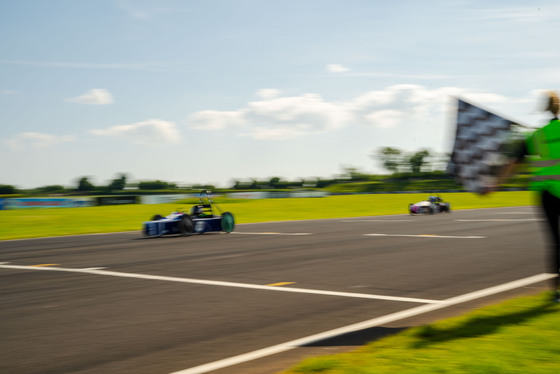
(207, 91)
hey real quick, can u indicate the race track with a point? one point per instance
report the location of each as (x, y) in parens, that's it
(118, 303)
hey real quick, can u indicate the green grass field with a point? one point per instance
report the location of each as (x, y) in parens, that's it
(33, 223)
(521, 335)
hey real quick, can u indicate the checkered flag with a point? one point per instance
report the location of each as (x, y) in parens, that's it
(478, 153)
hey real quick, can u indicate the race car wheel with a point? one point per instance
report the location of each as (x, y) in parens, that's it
(157, 217)
(186, 227)
(228, 222)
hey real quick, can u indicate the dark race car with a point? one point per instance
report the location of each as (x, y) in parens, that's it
(201, 219)
(434, 204)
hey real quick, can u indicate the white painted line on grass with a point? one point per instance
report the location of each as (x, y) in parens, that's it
(93, 271)
(363, 325)
(273, 233)
(431, 236)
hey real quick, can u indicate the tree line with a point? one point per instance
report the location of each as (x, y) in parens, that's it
(392, 159)
(401, 167)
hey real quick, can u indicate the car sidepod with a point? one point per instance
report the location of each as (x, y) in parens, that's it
(225, 223)
(160, 227)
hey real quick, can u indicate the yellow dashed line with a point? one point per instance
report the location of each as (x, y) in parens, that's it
(280, 284)
(41, 265)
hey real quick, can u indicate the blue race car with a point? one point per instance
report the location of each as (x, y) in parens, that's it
(200, 220)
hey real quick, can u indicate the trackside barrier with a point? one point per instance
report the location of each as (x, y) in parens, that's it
(248, 195)
(164, 199)
(75, 202)
(117, 200)
(275, 195)
(41, 202)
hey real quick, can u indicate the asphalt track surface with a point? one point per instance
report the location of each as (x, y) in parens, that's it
(118, 303)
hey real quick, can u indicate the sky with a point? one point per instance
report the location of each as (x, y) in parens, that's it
(212, 91)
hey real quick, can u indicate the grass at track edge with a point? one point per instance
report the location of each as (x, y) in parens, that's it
(35, 223)
(519, 335)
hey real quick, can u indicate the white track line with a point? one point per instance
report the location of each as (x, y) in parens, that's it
(364, 325)
(500, 220)
(376, 220)
(430, 236)
(272, 233)
(94, 271)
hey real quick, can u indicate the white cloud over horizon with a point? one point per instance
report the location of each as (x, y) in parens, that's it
(337, 68)
(96, 96)
(276, 117)
(149, 132)
(36, 140)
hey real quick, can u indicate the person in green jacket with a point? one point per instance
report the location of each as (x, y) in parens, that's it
(543, 146)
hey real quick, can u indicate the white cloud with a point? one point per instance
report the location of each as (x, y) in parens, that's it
(337, 68)
(386, 118)
(277, 117)
(150, 132)
(96, 96)
(268, 93)
(36, 140)
(216, 120)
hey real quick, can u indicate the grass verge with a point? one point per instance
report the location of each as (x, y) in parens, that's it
(33, 223)
(517, 336)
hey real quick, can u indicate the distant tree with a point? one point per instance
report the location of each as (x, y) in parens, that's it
(390, 158)
(274, 182)
(322, 183)
(6, 189)
(417, 160)
(240, 185)
(156, 185)
(354, 174)
(84, 185)
(254, 184)
(117, 184)
(203, 187)
(51, 189)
